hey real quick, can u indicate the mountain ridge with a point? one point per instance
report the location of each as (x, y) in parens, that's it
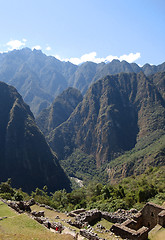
(117, 112)
(40, 78)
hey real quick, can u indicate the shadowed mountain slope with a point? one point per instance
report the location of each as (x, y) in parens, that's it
(24, 154)
(59, 111)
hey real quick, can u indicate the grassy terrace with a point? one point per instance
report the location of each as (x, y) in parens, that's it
(157, 235)
(52, 216)
(22, 227)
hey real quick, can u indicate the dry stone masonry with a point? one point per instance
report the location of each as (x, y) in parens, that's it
(129, 224)
(145, 220)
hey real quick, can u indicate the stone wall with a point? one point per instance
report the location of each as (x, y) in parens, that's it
(142, 223)
(128, 233)
(150, 214)
(93, 216)
(161, 218)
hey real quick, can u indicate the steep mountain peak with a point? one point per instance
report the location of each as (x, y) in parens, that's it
(117, 112)
(24, 154)
(59, 111)
(52, 76)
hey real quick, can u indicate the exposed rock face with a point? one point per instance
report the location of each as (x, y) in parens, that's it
(40, 78)
(159, 80)
(115, 113)
(25, 157)
(59, 111)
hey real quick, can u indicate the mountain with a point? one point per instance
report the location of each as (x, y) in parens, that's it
(152, 69)
(60, 110)
(40, 78)
(25, 157)
(159, 80)
(37, 77)
(117, 113)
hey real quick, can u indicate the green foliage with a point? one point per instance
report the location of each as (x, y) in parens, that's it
(6, 196)
(18, 196)
(130, 192)
(148, 153)
(6, 191)
(83, 166)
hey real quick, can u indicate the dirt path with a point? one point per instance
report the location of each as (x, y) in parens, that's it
(73, 233)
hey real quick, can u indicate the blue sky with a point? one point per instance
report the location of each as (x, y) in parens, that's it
(81, 30)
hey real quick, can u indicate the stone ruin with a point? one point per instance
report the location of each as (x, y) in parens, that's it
(87, 218)
(89, 235)
(93, 216)
(20, 206)
(145, 220)
(129, 224)
(38, 214)
(54, 225)
(74, 213)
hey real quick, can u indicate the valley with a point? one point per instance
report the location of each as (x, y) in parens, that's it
(86, 136)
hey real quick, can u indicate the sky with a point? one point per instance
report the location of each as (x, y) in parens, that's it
(86, 30)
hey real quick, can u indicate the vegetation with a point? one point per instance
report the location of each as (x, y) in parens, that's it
(130, 192)
(120, 115)
(133, 191)
(21, 227)
(149, 151)
(83, 166)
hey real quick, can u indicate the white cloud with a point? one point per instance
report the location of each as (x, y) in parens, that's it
(92, 57)
(37, 47)
(15, 44)
(24, 40)
(132, 57)
(48, 48)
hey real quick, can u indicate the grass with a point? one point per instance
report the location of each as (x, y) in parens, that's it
(159, 235)
(103, 234)
(22, 227)
(52, 215)
(5, 211)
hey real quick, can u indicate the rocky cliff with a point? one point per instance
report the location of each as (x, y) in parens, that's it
(59, 111)
(24, 154)
(116, 113)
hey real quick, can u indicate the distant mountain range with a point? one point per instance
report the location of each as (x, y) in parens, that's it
(104, 120)
(40, 78)
(25, 157)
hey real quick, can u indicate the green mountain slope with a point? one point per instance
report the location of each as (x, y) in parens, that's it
(118, 113)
